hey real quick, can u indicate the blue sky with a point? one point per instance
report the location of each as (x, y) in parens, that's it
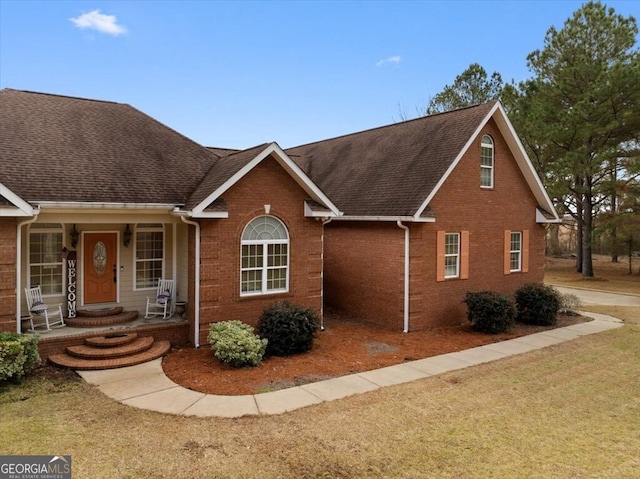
(237, 74)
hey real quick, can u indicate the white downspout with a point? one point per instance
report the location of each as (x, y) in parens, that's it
(196, 339)
(406, 275)
(19, 269)
(324, 222)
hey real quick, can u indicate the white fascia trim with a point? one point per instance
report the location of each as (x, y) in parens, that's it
(23, 208)
(542, 219)
(105, 206)
(518, 151)
(408, 219)
(210, 215)
(206, 214)
(527, 168)
(309, 213)
(283, 159)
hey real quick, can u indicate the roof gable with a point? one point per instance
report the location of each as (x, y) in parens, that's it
(389, 171)
(515, 146)
(394, 171)
(228, 170)
(12, 205)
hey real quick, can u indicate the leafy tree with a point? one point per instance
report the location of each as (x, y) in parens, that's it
(471, 87)
(580, 114)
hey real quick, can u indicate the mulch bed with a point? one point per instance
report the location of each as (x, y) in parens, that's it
(344, 347)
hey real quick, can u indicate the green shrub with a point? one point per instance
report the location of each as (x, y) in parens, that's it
(18, 355)
(289, 328)
(235, 344)
(490, 312)
(537, 304)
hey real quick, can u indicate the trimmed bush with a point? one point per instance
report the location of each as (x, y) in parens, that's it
(290, 329)
(490, 312)
(18, 355)
(235, 345)
(537, 304)
(570, 304)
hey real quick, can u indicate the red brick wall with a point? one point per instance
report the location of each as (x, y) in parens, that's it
(363, 263)
(364, 271)
(220, 300)
(8, 274)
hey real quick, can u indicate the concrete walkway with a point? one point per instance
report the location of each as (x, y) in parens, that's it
(590, 296)
(146, 387)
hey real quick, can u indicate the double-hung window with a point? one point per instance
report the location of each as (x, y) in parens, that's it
(149, 255)
(486, 162)
(515, 255)
(452, 255)
(264, 257)
(516, 251)
(45, 261)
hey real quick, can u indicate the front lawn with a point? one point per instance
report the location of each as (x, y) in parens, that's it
(567, 411)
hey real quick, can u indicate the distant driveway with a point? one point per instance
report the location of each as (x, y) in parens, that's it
(588, 296)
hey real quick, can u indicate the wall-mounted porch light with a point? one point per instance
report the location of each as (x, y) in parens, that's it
(74, 236)
(126, 237)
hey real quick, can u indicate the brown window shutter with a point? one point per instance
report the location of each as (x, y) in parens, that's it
(464, 255)
(507, 251)
(440, 256)
(525, 251)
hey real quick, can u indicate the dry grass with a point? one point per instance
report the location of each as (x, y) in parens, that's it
(608, 276)
(567, 411)
(571, 410)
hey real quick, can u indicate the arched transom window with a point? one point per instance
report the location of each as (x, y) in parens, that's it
(264, 258)
(486, 162)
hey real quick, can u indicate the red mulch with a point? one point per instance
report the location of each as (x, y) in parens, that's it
(344, 347)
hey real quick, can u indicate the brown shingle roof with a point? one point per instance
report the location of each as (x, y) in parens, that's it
(222, 170)
(389, 171)
(57, 148)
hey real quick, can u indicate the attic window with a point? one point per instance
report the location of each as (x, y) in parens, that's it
(264, 257)
(486, 162)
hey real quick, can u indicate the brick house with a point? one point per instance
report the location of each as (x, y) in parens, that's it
(77, 172)
(432, 208)
(391, 225)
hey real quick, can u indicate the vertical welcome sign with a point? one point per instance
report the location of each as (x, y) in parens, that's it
(72, 265)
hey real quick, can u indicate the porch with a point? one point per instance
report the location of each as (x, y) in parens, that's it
(175, 330)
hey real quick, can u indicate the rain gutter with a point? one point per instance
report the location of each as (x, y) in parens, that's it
(406, 275)
(36, 212)
(196, 307)
(325, 221)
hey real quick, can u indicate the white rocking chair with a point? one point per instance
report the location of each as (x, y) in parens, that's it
(41, 314)
(164, 304)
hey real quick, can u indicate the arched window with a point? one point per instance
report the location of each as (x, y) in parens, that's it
(264, 257)
(486, 162)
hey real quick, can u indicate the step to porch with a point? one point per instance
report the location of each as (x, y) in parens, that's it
(92, 321)
(116, 350)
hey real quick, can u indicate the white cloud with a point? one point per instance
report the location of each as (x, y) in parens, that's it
(393, 60)
(97, 21)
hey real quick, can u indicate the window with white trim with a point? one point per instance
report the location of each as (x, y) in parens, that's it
(451, 255)
(486, 162)
(45, 260)
(515, 261)
(149, 255)
(264, 257)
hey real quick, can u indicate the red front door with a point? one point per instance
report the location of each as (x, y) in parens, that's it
(100, 263)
